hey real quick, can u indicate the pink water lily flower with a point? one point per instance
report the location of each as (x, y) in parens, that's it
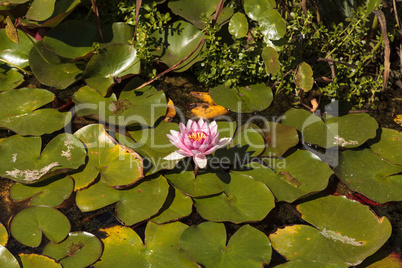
(196, 140)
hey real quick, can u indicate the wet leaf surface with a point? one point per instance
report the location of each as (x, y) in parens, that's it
(345, 232)
(28, 225)
(206, 244)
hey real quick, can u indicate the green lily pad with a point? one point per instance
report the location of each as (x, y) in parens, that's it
(177, 206)
(243, 99)
(244, 200)
(38, 261)
(194, 11)
(16, 53)
(26, 118)
(28, 225)
(204, 184)
(389, 146)
(369, 174)
(118, 165)
(152, 158)
(348, 131)
(143, 106)
(7, 259)
(279, 138)
(124, 247)
(135, 204)
(72, 39)
(271, 60)
(49, 193)
(14, 58)
(3, 235)
(23, 46)
(206, 244)
(79, 250)
(248, 136)
(114, 61)
(296, 176)
(310, 264)
(62, 8)
(238, 25)
(12, 2)
(10, 78)
(50, 69)
(255, 8)
(40, 10)
(23, 161)
(176, 41)
(304, 77)
(272, 26)
(119, 33)
(345, 232)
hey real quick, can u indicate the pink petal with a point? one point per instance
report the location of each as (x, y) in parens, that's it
(189, 123)
(182, 128)
(200, 160)
(211, 150)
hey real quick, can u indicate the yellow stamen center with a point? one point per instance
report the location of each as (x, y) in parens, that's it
(197, 136)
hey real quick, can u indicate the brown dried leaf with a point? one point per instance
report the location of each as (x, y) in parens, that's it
(171, 111)
(208, 111)
(11, 31)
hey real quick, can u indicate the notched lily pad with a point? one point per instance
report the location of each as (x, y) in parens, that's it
(28, 225)
(247, 99)
(177, 205)
(118, 165)
(52, 70)
(244, 200)
(50, 193)
(114, 61)
(389, 145)
(38, 261)
(204, 184)
(23, 161)
(144, 106)
(248, 137)
(136, 204)
(296, 176)
(206, 244)
(124, 247)
(369, 174)
(279, 138)
(348, 131)
(9, 77)
(25, 118)
(80, 249)
(176, 41)
(345, 232)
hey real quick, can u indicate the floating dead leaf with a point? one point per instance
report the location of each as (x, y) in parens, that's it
(204, 96)
(208, 111)
(11, 31)
(398, 119)
(171, 111)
